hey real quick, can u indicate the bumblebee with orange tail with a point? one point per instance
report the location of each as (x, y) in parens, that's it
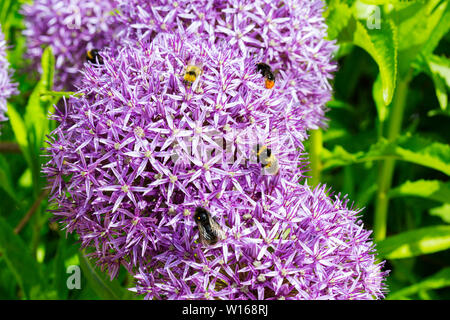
(267, 73)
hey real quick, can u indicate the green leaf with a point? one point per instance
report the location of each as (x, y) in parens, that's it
(5, 178)
(443, 212)
(420, 25)
(338, 17)
(415, 242)
(19, 260)
(20, 131)
(440, 73)
(439, 280)
(377, 90)
(430, 189)
(48, 69)
(36, 118)
(440, 30)
(409, 148)
(103, 287)
(382, 46)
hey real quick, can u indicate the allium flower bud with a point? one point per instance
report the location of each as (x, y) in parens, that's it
(158, 130)
(7, 88)
(299, 244)
(71, 28)
(288, 35)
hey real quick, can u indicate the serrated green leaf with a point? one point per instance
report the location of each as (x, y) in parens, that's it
(439, 280)
(19, 260)
(440, 73)
(415, 242)
(439, 31)
(381, 44)
(420, 26)
(338, 17)
(430, 189)
(438, 69)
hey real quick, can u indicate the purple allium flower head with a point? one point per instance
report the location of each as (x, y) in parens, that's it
(297, 243)
(289, 35)
(7, 88)
(142, 147)
(70, 27)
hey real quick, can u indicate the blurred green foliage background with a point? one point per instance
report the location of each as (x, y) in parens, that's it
(386, 146)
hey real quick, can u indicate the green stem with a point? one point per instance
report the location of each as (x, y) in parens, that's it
(386, 168)
(315, 156)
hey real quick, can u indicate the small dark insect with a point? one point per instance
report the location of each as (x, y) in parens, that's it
(268, 161)
(209, 230)
(266, 71)
(94, 57)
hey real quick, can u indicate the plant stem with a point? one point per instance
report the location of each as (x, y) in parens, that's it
(315, 156)
(9, 147)
(386, 168)
(31, 212)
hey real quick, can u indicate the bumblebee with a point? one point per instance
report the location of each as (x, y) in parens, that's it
(209, 230)
(94, 57)
(267, 73)
(191, 74)
(267, 159)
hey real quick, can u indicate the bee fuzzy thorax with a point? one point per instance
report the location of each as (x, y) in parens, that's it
(94, 57)
(192, 73)
(267, 159)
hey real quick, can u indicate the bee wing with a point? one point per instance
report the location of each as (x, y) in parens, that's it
(202, 234)
(217, 229)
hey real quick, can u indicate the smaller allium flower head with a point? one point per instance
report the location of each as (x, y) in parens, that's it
(7, 88)
(71, 28)
(288, 35)
(296, 244)
(159, 129)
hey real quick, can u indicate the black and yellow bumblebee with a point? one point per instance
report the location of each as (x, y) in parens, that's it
(209, 230)
(192, 73)
(94, 57)
(267, 73)
(267, 159)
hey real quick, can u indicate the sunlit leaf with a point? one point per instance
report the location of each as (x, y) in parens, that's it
(430, 189)
(439, 280)
(409, 148)
(414, 243)
(443, 212)
(20, 131)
